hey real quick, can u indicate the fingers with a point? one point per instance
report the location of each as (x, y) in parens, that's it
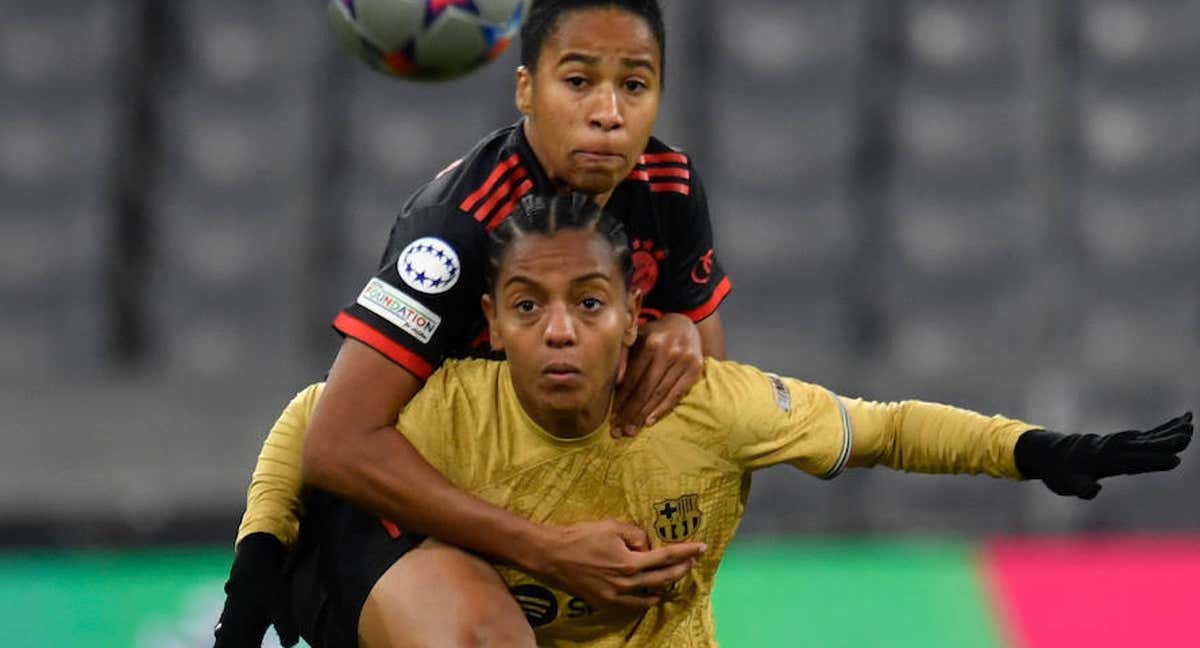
(1136, 463)
(634, 537)
(639, 363)
(1173, 436)
(664, 577)
(634, 600)
(1176, 422)
(668, 555)
(667, 394)
(629, 412)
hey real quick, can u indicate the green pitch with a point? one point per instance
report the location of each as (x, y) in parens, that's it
(827, 594)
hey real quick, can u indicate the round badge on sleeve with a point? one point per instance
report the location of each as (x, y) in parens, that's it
(429, 265)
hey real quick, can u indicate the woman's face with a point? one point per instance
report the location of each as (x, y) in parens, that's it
(561, 312)
(592, 101)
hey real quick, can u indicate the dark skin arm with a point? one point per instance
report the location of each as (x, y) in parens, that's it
(352, 449)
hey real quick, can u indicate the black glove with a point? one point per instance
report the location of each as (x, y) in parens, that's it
(252, 593)
(1070, 464)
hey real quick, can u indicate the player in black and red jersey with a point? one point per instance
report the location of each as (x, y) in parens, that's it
(589, 89)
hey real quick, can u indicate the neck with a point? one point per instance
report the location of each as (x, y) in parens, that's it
(559, 183)
(569, 423)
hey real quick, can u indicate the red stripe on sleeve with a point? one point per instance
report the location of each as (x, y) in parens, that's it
(668, 172)
(481, 214)
(353, 327)
(510, 205)
(469, 203)
(707, 308)
(639, 174)
(673, 187)
(659, 158)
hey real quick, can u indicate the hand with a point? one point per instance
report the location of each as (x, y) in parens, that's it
(252, 594)
(1070, 464)
(611, 563)
(664, 364)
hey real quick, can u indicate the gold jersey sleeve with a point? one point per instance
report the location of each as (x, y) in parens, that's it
(273, 500)
(770, 419)
(916, 436)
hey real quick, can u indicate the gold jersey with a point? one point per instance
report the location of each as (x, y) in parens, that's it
(684, 478)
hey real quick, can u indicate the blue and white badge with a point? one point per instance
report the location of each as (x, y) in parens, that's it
(429, 265)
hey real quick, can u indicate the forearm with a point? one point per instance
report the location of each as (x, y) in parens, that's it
(273, 500)
(915, 436)
(382, 472)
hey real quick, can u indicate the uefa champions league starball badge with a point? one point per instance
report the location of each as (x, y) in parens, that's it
(429, 265)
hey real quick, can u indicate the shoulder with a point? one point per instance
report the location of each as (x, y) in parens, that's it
(664, 170)
(725, 381)
(467, 183)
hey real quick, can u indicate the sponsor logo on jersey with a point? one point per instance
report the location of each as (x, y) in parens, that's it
(388, 302)
(783, 397)
(645, 264)
(429, 265)
(676, 520)
(538, 603)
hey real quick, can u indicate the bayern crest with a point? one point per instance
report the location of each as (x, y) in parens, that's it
(429, 265)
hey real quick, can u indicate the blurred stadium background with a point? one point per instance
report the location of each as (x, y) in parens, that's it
(994, 203)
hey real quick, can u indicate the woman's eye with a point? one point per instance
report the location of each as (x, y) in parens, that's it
(525, 306)
(591, 304)
(635, 86)
(576, 81)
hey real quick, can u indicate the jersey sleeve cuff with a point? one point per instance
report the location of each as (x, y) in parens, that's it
(710, 306)
(843, 457)
(351, 326)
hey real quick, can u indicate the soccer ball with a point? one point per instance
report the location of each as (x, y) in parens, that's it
(426, 39)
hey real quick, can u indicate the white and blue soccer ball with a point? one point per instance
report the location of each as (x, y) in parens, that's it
(427, 39)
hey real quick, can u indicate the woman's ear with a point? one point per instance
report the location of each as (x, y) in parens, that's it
(524, 93)
(489, 311)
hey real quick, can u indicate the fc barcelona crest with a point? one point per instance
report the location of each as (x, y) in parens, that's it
(676, 520)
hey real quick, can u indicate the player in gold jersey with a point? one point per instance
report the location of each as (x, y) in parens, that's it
(530, 434)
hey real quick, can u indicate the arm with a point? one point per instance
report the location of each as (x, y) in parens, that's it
(670, 352)
(353, 450)
(268, 530)
(915, 436)
(924, 437)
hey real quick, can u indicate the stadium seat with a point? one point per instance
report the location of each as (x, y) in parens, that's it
(959, 136)
(52, 148)
(1128, 131)
(234, 47)
(964, 237)
(807, 142)
(1130, 336)
(215, 145)
(1145, 237)
(1128, 38)
(797, 42)
(747, 228)
(52, 47)
(969, 42)
(53, 268)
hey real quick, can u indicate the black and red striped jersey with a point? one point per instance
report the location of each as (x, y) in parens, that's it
(422, 306)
